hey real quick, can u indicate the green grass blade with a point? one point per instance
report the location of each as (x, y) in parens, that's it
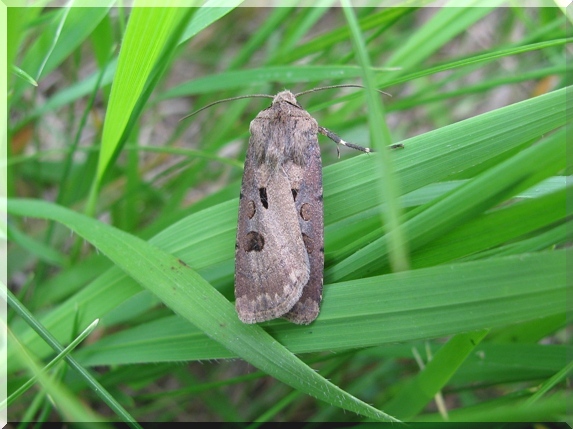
(35, 247)
(62, 19)
(72, 408)
(496, 228)
(440, 154)
(507, 409)
(89, 379)
(204, 17)
(240, 79)
(77, 26)
(550, 383)
(493, 363)
(386, 186)
(148, 38)
(268, 27)
(376, 19)
(190, 296)
(208, 13)
(477, 59)
(82, 336)
(23, 75)
(418, 391)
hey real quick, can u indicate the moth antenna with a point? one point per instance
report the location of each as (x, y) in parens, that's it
(350, 85)
(227, 99)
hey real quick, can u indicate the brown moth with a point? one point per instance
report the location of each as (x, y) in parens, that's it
(279, 251)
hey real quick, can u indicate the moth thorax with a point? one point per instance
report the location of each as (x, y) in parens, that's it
(273, 156)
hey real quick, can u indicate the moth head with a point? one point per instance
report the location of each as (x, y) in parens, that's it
(285, 96)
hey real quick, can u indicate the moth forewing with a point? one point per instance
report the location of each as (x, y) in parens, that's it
(309, 206)
(279, 258)
(271, 263)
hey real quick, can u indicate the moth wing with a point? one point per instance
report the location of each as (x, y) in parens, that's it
(271, 262)
(309, 207)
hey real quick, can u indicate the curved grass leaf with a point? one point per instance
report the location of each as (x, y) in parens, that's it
(188, 294)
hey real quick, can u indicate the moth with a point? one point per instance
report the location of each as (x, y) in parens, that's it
(279, 249)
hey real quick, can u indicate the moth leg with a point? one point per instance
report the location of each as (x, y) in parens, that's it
(336, 139)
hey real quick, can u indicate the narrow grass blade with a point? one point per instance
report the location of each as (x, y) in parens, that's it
(68, 405)
(22, 389)
(418, 391)
(550, 383)
(90, 380)
(386, 186)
